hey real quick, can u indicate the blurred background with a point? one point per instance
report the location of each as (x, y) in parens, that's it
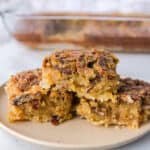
(132, 22)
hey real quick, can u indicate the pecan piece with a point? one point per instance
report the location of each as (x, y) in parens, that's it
(55, 120)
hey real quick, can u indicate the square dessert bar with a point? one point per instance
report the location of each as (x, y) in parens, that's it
(89, 73)
(28, 101)
(132, 107)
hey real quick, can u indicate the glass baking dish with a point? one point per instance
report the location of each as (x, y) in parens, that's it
(115, 32)
(122, 32)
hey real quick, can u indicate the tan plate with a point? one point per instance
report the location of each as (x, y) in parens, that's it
(72, 134)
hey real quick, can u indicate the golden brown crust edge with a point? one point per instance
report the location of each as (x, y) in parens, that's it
(23, 82)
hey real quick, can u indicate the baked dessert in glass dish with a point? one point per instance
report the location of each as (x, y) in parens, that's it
(90, 73)
(28, 101)
(131, 109)
(116, 32)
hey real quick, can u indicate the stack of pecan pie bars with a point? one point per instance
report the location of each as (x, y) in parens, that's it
(81, 83)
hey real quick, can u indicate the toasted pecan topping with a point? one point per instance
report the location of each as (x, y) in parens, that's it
(133, 90)
(25, 80)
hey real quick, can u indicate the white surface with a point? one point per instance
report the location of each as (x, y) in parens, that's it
(14, 58)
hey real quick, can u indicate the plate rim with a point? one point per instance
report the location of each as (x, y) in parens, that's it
(61, 145)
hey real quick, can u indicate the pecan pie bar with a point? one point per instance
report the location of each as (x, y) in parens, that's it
(132, 107)
(28, 101)
(90, 73)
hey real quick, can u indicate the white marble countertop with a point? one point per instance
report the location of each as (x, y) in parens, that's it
(14, 58)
